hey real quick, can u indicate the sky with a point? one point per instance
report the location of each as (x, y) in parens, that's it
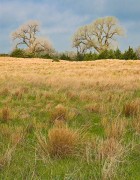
(60, 19)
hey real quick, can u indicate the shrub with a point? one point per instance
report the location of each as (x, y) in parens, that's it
(44, 56)
(19, 53)
(130, 54)
(4, 55)
(90, 56)
(29, 55)
(103, 55)
(80, 57)
(65, 57)
(118, 54)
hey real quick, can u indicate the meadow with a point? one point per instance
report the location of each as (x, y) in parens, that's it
(69, 120)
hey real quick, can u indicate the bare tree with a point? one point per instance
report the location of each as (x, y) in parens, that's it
(138, 52)
(99, 35)
(27, 35)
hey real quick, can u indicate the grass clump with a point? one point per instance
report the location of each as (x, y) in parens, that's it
(62, 142)
(115, 128)
(5, 115)
(6, 158)
(59, 113)
(131, 108)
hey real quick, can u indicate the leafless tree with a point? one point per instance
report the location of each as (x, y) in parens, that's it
(138, 52)
(99, 35)
(27, 35)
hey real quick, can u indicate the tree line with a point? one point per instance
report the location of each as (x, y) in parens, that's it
(97, 40)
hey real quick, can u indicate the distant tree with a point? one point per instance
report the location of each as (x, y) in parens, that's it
(26, 35)
(99, 35)
(90, 56)
(64, 56)
(118, 54)
(111, 54)
(138, 52)
(103, 55)
(130, 54)
(80, 57)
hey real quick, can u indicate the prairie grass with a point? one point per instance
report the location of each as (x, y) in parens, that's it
(132, 108)
(136, 124)
(5, 115)
(62, 142)
(101, 99)
(114, 128)
(60, 112)
(6, 158)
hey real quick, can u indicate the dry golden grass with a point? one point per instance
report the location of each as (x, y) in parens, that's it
(132, 108)
(59, 113)
(18, 94)
(17, 136)
(62, 142)
(136, 125)
(93, 108)
(5, 131)
(111, 153)
(4, 91)
(6, 158)
(115, 128)
(5, 115)
(102, 74)
(109, 148)
(84, 95)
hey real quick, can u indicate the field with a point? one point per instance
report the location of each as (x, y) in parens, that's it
(69, 120)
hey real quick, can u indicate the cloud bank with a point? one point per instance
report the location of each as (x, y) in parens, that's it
(60, 19)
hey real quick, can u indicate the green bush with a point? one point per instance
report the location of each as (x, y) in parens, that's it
(90, 56)
(106, 54)
(4, 55)
(118, 54)
(65, 57)
(20, 53)
(80, 57)
(130, 54)
(29, 55)
(103, 55)
(44, 56)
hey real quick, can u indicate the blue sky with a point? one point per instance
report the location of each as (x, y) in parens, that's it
(60, 19)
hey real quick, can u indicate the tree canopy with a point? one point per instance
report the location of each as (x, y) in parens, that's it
(99, 35)
(27, 35)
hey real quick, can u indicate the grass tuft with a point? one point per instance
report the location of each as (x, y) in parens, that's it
(5, 115)
(59, 113)
(62, 142)
(131, 108)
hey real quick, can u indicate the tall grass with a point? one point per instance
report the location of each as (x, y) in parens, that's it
(69, 120)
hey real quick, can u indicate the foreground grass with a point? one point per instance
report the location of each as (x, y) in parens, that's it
(69, 120)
